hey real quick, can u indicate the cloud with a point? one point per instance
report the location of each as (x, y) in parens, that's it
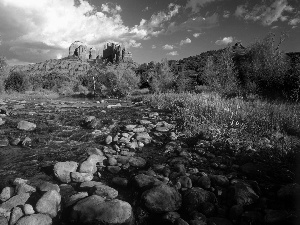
(173, 53)
(294, 21)
(226, 14)
(263, 13)
(195, 24)
(168, 47)
(186, 41)
(133, 43)
(196, 35)
(196, 5)
(224, 41)
(153, 46)
(146, 9)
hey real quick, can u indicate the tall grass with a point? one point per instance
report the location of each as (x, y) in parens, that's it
(234, 119)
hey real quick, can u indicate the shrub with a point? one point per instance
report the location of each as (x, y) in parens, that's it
(220, 73)
(17, 81)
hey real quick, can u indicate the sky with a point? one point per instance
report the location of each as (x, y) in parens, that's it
(33, 31)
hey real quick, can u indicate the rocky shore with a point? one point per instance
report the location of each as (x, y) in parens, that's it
(134, 169)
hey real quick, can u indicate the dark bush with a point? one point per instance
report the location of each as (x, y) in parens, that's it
(17, 81)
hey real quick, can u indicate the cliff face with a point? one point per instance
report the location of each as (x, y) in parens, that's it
(65, 67)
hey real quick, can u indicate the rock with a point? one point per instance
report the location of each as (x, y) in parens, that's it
(137, 162)
(236, 211)
(219, 221)
(139, 130)
(162, 198)
(62, 170)
(194, 197)
(28, 209)
(47, 186)
(289, 192)
(87, 167)
(114, 169)
(171, 217)
(250, 169)
(251, 217)
(94, 210)
(75, 198)
(25, 188)
(15, 141)
(90, 122)
(130, 127)
(35, 219)
(13, 202)
(181, 222)
(100, 189)
(204, 182)
(81, 177)
(219, 180)
(242, 193)
(4, 141)
(143, 137)
(145, 122)
(49, 203)
(198, 218)
(3, 221)
(185, 182)
(6, 193)
(145, 181)
(162, 129)
(25, 125)
(112, 161)
(19, 181)
(16, 214)
(108, 139)
(26, 142)
(275, 216)
(120, 181)
(94, 151)
(132, 145)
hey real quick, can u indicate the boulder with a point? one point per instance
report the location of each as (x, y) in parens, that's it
(49, 203)
(3, 221)
(289, 191)
(242, 193)
(145, 181)
(75, 198)
(94, 210)
(16, 214)
(35, 219)
(28, 209)
(6, 193)
(143, 137)
(81, 177)
(25, 188)
(162, 198)
(87, 167)
(13, 202)
(25, 125)
(47, 186)
(137, 162)
(219, 180)
(194, 197)
(100, 189)
(62, 170)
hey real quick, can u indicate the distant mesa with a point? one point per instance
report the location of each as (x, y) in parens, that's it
(112, 52)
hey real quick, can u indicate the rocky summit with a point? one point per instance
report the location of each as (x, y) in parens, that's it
(83, 162)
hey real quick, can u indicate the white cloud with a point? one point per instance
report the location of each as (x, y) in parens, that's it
(133, 43)
(224, 41)
(168, 47)
(173, 53)
(294, 21)
(196, 5)
(265, 14)
(186, 41)
(153, 46)
(196, 35)
(226, 14)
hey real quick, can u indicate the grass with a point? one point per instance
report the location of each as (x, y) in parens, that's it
(29, 95)
(261, 125)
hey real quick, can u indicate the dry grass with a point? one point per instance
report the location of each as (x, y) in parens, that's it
(29, 95)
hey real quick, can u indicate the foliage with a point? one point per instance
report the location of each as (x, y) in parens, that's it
(220, 74)
(17, 81)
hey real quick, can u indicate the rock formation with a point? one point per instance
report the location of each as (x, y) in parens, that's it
(115, 53)
(78, 49)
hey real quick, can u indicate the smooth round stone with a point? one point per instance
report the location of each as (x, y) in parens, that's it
(28, 209)
(114, 169)
(162, 129)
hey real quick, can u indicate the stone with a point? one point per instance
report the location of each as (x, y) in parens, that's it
(90, 122)
(130, 127)
(275, 216)
(15, 141)
(219, 180)
(87, 167)
(112, 161)
(16, 214)
(6, 193)
(94, 210)
(143, 137)
(171, 217)
(3, 221)
(28, 209)
(35, 219)
(4, 141)
(145, 181)
(204, 182)
(94, 151)
(236, 211)
(47, 186)
(49, 203)
(198, 217)
(105, 191)
(75, 198)
(120, 181)
(289, 191)
(162, 129)
(145, 122)
(219, 221)
(114, 169)
(81, 177)
(242, 193)
(194, 197)
(162, 198)
(25, 125)
(108, 139)
(62, 170)
(139, 129)
(181, 221)
(19, 181)
(25, 188)
(132, 145)
(137, 162)
(185, 182)
(13, 202)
